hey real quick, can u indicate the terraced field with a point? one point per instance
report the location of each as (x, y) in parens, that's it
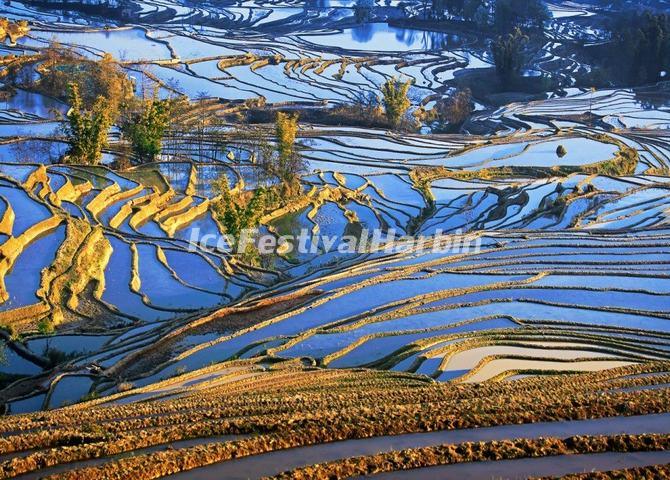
(231, 422)
(509, 310)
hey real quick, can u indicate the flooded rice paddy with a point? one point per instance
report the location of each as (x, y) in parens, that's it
(562, 272)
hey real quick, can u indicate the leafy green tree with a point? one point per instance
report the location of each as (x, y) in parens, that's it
(146, 126)
(86, 130)
(395, 100)
(508, 54)
(238, 212)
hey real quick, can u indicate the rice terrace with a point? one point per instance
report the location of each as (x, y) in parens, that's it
(323, 239)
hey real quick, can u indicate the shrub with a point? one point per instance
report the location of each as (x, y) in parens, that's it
(86, 130)
(145, 126)
(561, 151)
(395, 100)
(508, 54)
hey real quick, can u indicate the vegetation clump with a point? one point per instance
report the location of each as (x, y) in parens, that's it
(144, 125)
(238, 211)
(395, 100)
(642, 47)
(278, 168)
(62, 68)
(287, 163)
(623, 164)
(508, 54)
(86, 130)
(561, 151)
(453, 111)
(13, 30)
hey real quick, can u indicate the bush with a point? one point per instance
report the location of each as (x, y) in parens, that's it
(508, 54)
(238, 212)
(395, 100)
(86, 130)
(456, 109)
(561, 151)
(145, 125)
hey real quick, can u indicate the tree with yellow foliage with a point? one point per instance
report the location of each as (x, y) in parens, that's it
(283, 163)
(395, 100)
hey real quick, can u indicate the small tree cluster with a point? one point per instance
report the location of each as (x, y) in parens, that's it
(643, 47)
(283, 162)
(508, 54)
(363, 10)
(510, 14)
(395, 100)
(238, 212)
(456, 109)
(145, 125)
(86, 129)
(106, 78)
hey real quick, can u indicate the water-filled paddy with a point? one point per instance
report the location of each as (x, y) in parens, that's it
(124, 44)
(381, 37)
(535, 269)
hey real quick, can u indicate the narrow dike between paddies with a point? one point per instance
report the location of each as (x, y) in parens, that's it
(66, 467)
(272, 463)
(522, 468)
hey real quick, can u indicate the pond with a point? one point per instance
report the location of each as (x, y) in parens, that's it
(381, 37)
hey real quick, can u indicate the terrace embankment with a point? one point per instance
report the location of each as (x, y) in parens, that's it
(414, 423)
(222, 323)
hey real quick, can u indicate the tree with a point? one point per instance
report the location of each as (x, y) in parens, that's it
(283, 162)
(238, 212)
(470, 8)
(286, 129)
(395, 100)
(455, 7)
(202, 121)
(456, 109)
(146, 126)
(644, 46)
(104, 78)
(509, 14)
(86, 130)
(481, 17)
(508, 54)
(363, 10)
